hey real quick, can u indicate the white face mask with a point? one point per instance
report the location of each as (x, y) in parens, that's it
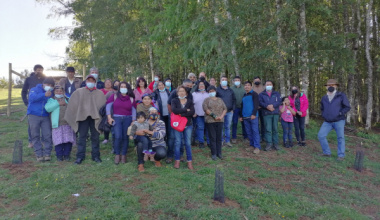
(212, 94)
(95, 75)
(123, 90)
(47, 88)
(58, 96)
(90, 85)
(223, 83)
(168, 84)
(269, 88)
(237, 83)
(156, 79)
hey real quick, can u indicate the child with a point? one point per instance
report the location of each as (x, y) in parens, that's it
(142, 125)
(287, 114)
(63, 134)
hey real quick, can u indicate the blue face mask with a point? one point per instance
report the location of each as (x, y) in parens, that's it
(47, 88)
(161, 90)
(95, 75)
(181, 97)
(123, 90)
(223, 83)
(156, 79)
(269, 88)
(237, 83)
(212, 94)
(168, 84)
(201, 90)
(58, 96)
(90, 85)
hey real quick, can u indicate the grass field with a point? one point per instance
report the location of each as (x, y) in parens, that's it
(289, 184)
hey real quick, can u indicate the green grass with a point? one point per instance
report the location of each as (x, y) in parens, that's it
(290, 184)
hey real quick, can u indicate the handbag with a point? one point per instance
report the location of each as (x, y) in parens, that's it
(178, 122)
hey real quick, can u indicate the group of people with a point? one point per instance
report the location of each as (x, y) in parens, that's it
(166, 122)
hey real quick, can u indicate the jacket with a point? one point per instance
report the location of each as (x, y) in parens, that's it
(173, 95)
(239, 93)
(64, 82)
(274, 99)
(250, 105)
(178, 110)
(37, 101)
(228, 96)
(304, 104)
(335, 110)
(52, 106)
(30, 83)
(158, 99)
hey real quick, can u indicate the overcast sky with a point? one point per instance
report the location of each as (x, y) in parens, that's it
(24, 39)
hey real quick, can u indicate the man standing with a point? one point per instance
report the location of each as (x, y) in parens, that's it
(95, 72)
(334, 107)
(39, 120)
(82, 114)
(70, 83)
(249, 115)
(259, 88)
(227, 95)
(36, 77)
(239, 93)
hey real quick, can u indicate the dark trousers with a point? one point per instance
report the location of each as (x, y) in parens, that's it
(215, 135)
(83, 128)
(63, 149)
(159, 150)
(145, 142)
(262, 125)
(106, 135)
(165, 119)
(299, 125)
(286, 131)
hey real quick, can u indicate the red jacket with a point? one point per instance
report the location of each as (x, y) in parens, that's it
(304, 104)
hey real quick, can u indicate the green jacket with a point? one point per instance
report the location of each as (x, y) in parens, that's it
(52, 106)
(239, 93)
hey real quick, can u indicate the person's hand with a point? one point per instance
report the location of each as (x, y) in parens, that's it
(240, 119)
(253, 117)
(62, 102)
(218, 118)
(188, 109)
(140, 133)
(208, 112)
(299, 113)
(48, 93)
(130, 137)
(110, 120)
(195, 115)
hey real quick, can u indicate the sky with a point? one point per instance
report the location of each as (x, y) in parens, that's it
(24, 39)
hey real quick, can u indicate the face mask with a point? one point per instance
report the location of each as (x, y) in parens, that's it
(201, 90)
(58, 96)
(223, 83)
(90, 85)
(294, 91)
(331, 89)
(115, 87)
(123, 90)
(181, 97)
(153, 116)
(237, 83)
(162, 90)
(188, 90)
(269, 88)
(257, 83)
(168, 84)
(47, 88)
(202, 79)
(95, 75)
(212, 94)
(156, 79)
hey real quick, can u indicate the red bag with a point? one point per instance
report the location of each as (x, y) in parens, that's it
(178, 122)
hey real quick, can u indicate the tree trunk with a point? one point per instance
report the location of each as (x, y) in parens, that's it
(233, 48)
(150, 51)
(280, 52)
(304, 54)
(369, 66)
(219, 49)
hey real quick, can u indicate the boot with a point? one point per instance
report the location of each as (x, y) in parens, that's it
(290, 144)
(286, 144)
(140, 168)
(123, 159)
(157, 163)
(117, 159)
(146, 157)
(268, 147)
(176, 164)
(190, 165)
(59, 158)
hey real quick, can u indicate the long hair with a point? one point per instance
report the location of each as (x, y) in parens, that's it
(141, 79)
(129, 88)
(197, 86)
(298, 93)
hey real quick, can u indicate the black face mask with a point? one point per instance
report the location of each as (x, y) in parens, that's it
(202, 79)
(331, 89)
(115, 87)
(257, 83)
(294, 91)
(188, 90)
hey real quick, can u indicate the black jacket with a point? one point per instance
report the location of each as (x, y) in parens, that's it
(228, 96)
(335, 110)
(173, 95)
(30, 83)
(178, 110)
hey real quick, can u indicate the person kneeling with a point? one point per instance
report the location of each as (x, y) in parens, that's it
(142, 125)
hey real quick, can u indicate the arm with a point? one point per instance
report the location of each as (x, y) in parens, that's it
(224, 107)
(262, 102)
(176, 109)
(108, 108)
(292, 111)
(189, 105)
(255, 98)
(35, 96)
(233, 100)
(51, 105)
(160, 131)
(205, 106)
(24, 92)
(345, 105)
(133, 113)
(304, 106)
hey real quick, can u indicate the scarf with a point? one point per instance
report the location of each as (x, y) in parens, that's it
(331, 95)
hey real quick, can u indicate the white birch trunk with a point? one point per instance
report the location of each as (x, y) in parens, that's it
(233, 48)
(304, 54)
(369, 66)
(279, 49)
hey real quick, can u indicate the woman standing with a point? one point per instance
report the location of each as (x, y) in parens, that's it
(199, 96)
(157, 137)
(141, 88)
(300, 104)
(183, 107)
(215, 110)
(124, 113)
(107, 86)
(270, 101)
(161, 95)
(63, 135)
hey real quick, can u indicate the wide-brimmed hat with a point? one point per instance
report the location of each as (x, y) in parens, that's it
(332, 82)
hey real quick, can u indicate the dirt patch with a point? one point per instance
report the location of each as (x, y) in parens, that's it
(20, 171)
(365, 172)
(228, 203)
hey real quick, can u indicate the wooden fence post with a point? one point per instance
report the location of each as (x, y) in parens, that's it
(9, 91)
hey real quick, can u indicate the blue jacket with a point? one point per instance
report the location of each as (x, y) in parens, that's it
(274, 99)
(250, 105)
(37, 101)
(228, 96)
(335, 110)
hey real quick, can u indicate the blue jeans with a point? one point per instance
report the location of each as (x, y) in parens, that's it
(227, 127)
(252, 128)
(178, 143)
(287, 128)
(145, 142)
(201, 128)
(171, 142)
(325, 130)
(121, 138)
(235, 121)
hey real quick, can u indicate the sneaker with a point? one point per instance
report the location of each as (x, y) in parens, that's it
(201, 145)
(268, 147)
(228, 144)
(213, 157)
(256, 150)
(220, 156)
(146, 157)
(276, 147)
(303, 144)
(47, 158)
(78, 161)
(233, 141)
(299, 143)
(290, 144)
(40, 159)
(97, 159)
(105, 142)
(340, 159)
(59, 158)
